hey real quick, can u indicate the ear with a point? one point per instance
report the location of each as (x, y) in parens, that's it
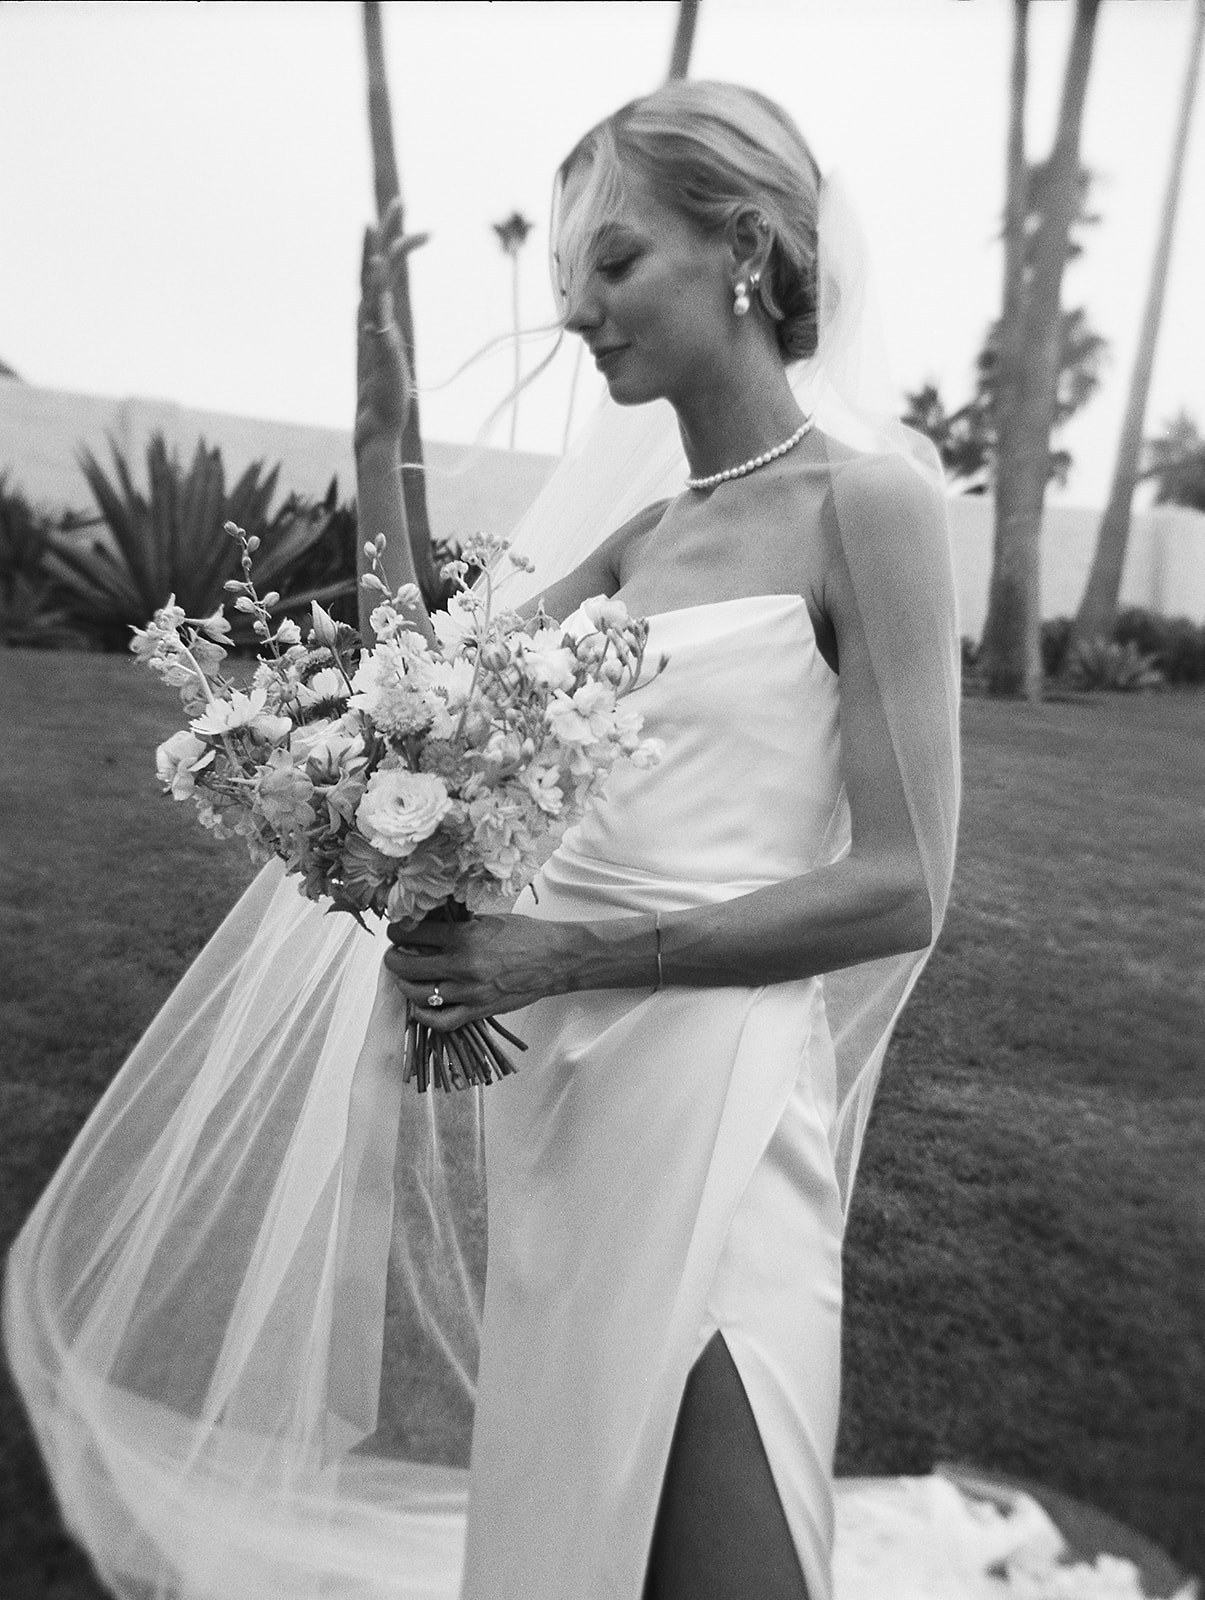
(749, 243)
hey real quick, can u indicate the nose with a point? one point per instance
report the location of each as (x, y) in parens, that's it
(583, 314)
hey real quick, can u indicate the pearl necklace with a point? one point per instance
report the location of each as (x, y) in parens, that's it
(754, 462)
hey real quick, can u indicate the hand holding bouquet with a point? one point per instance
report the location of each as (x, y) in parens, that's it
(406, 779)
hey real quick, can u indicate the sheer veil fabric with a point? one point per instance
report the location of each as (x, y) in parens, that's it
(245, 1315)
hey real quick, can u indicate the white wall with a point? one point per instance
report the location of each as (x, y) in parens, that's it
(1164, 568)
(41, 430)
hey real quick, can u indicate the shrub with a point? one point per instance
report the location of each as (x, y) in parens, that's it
(1104, 664)
(1056, 636)
(31, 613)
(1175, 644)
(170, 541)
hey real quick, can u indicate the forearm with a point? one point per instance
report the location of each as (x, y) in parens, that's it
(382, 509)
(852, 911)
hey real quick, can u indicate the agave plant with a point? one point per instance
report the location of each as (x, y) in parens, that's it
(170, 540)
(1102, 663)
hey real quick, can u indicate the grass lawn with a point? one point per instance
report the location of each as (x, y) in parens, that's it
(1025, 1273)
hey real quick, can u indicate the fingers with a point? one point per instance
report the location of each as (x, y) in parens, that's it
(457, 1008)
(419, 968)
(427, 935)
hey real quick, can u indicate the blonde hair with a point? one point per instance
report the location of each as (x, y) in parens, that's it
(708, 151)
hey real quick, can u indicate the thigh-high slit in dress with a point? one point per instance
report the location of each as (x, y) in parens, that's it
(662, 1168)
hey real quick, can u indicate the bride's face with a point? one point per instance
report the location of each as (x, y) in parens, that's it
(654, 302)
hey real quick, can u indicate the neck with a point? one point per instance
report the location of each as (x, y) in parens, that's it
(737, 412)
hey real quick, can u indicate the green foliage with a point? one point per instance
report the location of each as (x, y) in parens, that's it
(1055, 641)
(169, 540)
(1144, 650)
(966, 437)
(1176, 461)
(1104, 664)
(30, 612)
(1176, 645)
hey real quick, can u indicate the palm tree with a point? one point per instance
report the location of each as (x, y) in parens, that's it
(1029, 362)
(387, 188)
(1176, 462)
(684, 38)
(1099, 605)
(512, 234)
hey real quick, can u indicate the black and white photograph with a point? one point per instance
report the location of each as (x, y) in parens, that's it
(602, 709)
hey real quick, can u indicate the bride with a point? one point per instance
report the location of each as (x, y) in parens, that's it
(246, 1317)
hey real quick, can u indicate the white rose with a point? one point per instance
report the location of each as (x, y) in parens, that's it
(178, 759)
(303, 740)
(399, 809)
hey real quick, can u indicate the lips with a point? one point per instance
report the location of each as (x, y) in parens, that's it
(603, 358)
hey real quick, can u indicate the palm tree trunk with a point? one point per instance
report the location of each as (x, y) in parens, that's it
(514, 307)
(1004, 632)
(1030, 363)
(1098, 608)
(684, 38)
(387, 187)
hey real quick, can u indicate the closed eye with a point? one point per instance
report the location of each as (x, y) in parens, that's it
(616, 267)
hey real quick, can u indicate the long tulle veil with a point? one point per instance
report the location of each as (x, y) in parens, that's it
(244, 1316)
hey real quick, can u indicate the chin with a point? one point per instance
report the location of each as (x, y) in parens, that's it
(632, 393)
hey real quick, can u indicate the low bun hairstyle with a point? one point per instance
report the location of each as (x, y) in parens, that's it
(707, 150)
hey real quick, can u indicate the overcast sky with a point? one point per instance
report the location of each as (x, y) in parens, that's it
(183, 186)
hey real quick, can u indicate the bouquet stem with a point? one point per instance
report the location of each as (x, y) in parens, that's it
(466, 1058)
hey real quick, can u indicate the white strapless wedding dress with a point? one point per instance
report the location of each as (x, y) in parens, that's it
(661, 1167)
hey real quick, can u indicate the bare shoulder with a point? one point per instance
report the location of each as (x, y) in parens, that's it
(644, 522)
(602, 570)
(877, 497)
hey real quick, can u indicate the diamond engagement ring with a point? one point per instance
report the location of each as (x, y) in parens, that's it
(435, 999)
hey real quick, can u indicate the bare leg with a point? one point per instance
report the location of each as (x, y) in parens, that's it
(721, 1533)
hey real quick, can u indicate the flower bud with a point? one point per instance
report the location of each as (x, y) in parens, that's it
(243, 604)
(323, 625)
(253, 543)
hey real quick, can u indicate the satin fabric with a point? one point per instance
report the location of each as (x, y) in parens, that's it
(662, 1165)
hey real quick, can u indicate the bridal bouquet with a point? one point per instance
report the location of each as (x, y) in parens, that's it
(408, 779)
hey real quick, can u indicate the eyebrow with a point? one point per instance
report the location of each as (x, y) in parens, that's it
(611, 233)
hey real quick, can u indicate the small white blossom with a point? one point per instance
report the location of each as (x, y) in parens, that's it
(242, 711)
(178, 760)
(455, 625)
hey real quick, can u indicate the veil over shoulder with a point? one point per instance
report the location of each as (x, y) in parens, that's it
(245, 1315)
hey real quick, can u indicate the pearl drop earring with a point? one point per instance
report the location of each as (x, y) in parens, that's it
(741, 302)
